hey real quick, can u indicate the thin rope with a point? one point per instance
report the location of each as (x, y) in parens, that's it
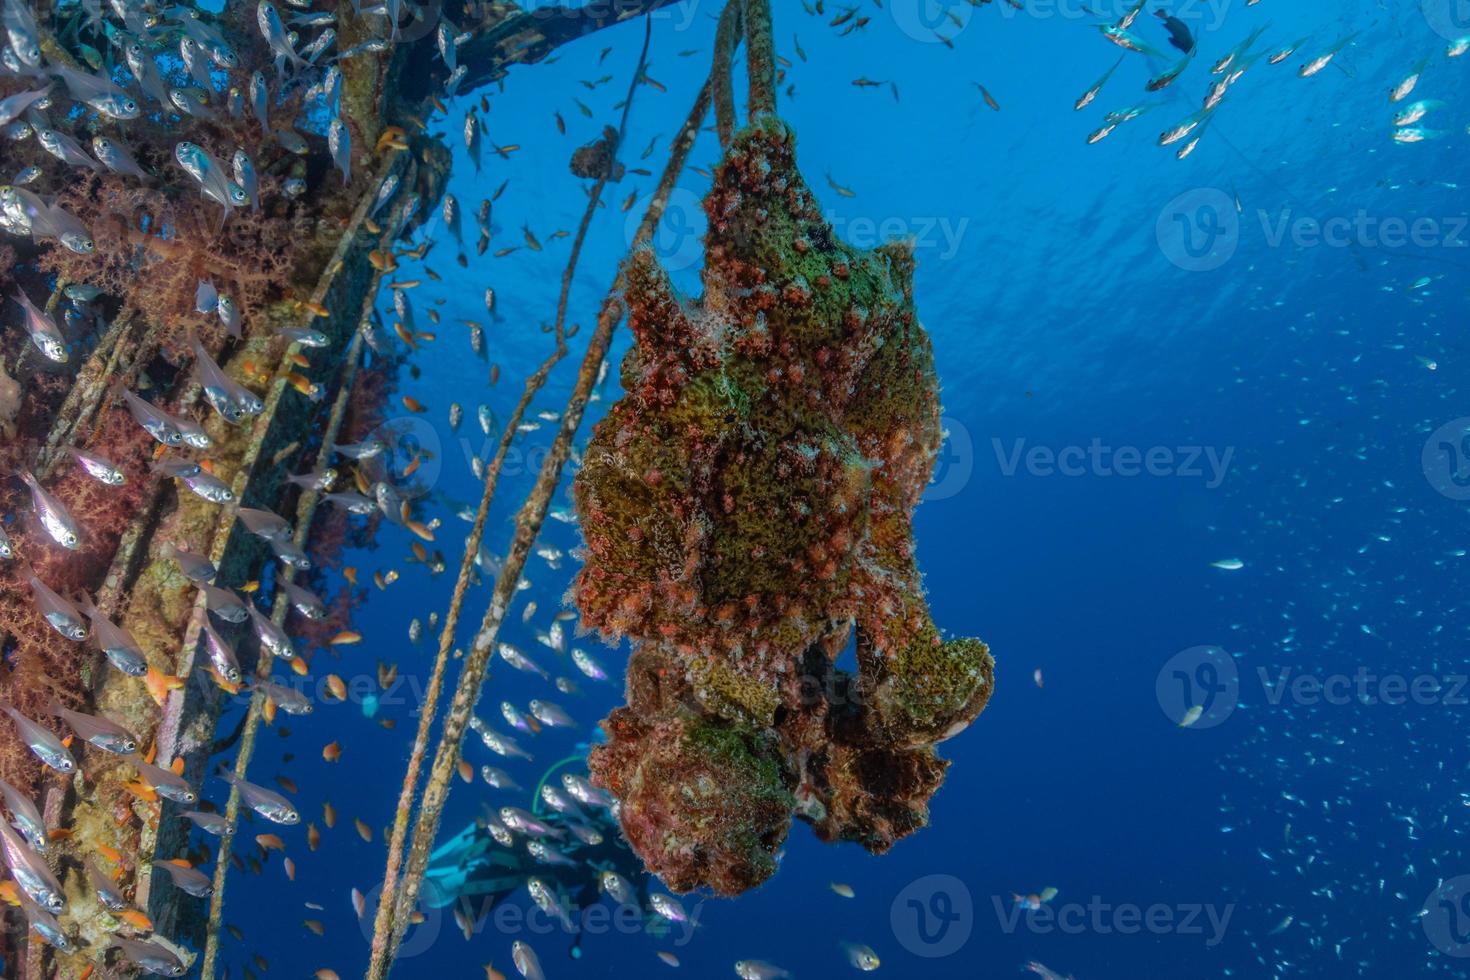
(528, 524)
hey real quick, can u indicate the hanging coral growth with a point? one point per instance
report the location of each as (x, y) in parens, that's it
(746, 505)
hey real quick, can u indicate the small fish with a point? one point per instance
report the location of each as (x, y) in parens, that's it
(65, 148)
(62, 615)
(841, 889)
(584, 792)
(668, 907)
(353, 503)
(1416, 134)
(551, 715)
(52, 515)
(1168, 75)
(546, 898)
(1191, 716)
(244, 171)
(306, 602)
(232, 400)
(264, 523)
(1130, 42)
(150, 956)
(107, 891)
(271, 636)
(289, 700)
(159, 424)
(1323, 60)
(98, 467)
(1415, 111)
(25, 817)
(210, 823)
(524, 957)
(860, 957)
(12, 107)
(223, 603)
(503, 745)
(167, 783)
(117, 644)
(339, 143)
(268, 804)
(188, 880)
(221, 655)
(472, 138)
(107, 735)
(1410, 81)
(195, 567)
(498, 778)
(360, 451)
(229, 315)
(31, 872)
(209, 487)
(519, 660)
(1228, 564)
(620, 888)
(268, 19)
(42, 330)
(1281, 54)
(42, 743)
(115, 157)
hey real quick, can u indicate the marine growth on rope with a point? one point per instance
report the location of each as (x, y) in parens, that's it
(747, 509)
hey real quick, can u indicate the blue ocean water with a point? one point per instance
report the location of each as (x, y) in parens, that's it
(1151, 366)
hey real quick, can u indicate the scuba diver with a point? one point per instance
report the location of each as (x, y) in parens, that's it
(565, 850)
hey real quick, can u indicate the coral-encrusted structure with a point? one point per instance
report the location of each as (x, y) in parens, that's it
(746, 505)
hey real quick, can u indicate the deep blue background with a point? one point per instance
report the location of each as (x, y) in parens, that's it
(1058, 317)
